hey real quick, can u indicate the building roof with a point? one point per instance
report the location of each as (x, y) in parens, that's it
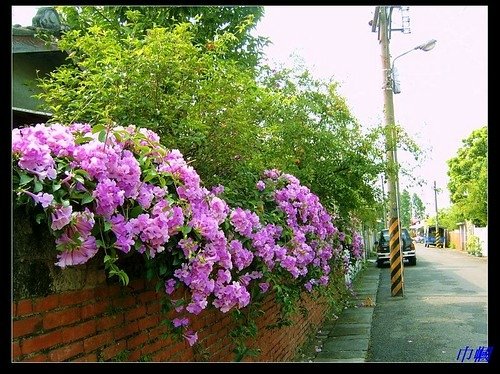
(29, 43)
(33, 58)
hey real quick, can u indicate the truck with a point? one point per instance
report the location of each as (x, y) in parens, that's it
(430, 235)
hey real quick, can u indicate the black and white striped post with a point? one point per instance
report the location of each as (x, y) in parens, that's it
(437, 239)
(396, 258)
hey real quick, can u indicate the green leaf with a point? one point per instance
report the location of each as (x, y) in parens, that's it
(159, 286)
(39, 217)
(102, 136)
(56, 186)
(186, 230)
(123, 277)
(134, 213)
(97, 128)
(150, 273)
(150, 176)
(24, 179)
(163, 269)
(82, 173)
(107, 226)
(118, 137)
(162, 181)
(87, 198)
(83, 139)
(79, 178)
(38, 186)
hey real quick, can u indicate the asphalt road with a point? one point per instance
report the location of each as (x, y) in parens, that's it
(444, 309)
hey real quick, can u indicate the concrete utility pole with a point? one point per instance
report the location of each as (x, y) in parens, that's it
(396, 258)
(435, 205)
(384, 218)
(439, 240)
(382, 22)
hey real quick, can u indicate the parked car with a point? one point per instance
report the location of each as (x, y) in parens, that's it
(382, 245)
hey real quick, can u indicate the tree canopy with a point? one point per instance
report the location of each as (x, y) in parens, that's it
(468, 173)
(418, 207)
(210, 22)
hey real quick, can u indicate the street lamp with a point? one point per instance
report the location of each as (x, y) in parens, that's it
(394, 225)
(426, 47)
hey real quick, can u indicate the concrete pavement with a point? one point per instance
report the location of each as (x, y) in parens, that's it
(346, 339)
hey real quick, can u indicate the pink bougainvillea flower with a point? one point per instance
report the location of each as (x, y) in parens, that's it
(169, 286)
(79, 255)
(61, 217)
(45, 199)
(177, 322)
(264, 287)
(191, 337)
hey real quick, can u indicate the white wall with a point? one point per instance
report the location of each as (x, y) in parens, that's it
(482, 234)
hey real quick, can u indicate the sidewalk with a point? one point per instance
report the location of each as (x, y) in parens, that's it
(347, 338)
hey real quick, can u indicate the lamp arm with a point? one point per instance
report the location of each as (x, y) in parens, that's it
(402, 54)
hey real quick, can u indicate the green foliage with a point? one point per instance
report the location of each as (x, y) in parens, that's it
(336, 293)
(210, 23)
(197, 101)
(246, 329)
(418, 207)
(449, 217)
(122, 356)
(468, 173)
(112, 269)
(473, 246)
(309, 132)
(405, 208)
(145, 358)
(228, 124)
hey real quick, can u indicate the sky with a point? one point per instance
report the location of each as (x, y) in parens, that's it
(444, 92)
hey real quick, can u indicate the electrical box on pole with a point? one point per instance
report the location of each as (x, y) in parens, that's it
(396, 85)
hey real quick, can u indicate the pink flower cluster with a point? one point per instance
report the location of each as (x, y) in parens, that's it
(357, 246)
(221, 247)
(312, 233)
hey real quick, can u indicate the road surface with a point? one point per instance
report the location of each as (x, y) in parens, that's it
(444, 310)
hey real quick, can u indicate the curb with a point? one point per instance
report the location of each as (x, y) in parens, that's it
(346, 339)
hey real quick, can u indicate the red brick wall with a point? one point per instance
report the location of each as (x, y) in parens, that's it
(116, 323)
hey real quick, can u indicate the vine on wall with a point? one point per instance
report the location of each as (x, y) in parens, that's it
(118, 190)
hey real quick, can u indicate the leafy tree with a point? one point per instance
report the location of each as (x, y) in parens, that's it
(229, 119)
(211, 22)
(468, 173)
(311, 133)
(405, 208)
(197, 101)
(418, 207)
(448, 217)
